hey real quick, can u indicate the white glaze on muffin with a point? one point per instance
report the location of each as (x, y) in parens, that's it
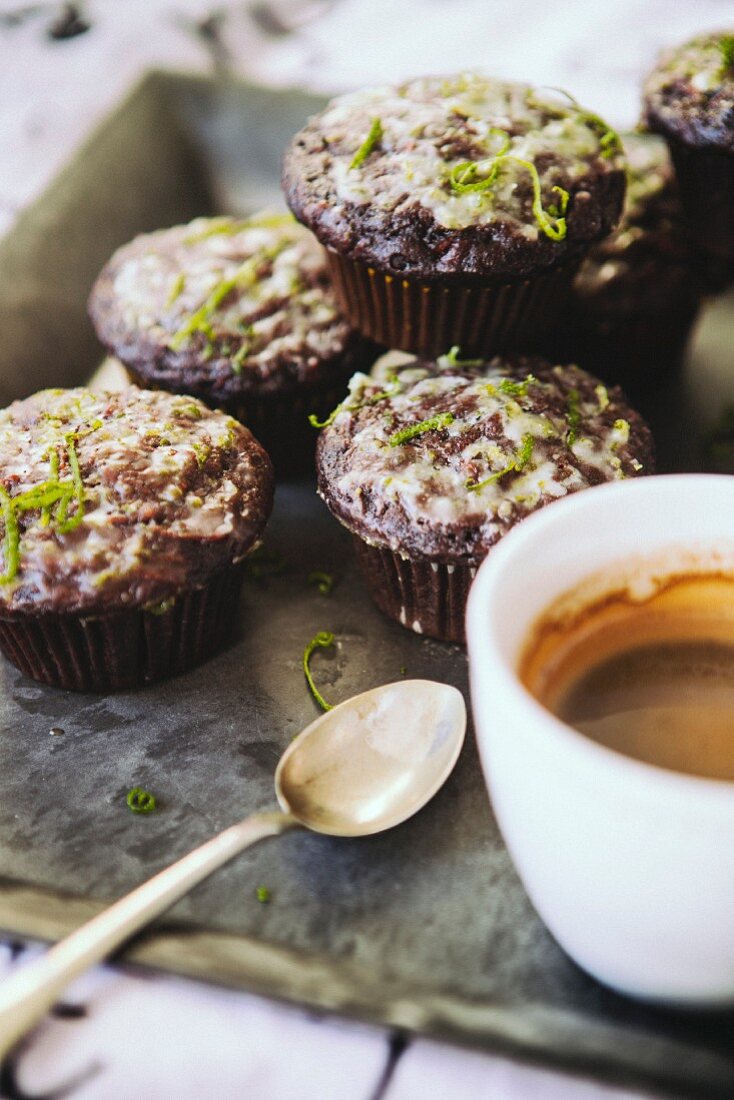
(121, 499)
(275, 302)
(439, 463)
(431, 125)
(456, 176)
(689, 95)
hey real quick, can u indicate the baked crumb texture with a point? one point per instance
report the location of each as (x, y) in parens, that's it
(689, 99)
(126, 519)
(689, 95)
(448, 203)
(238, 312)
(430, 466)
(408, 206)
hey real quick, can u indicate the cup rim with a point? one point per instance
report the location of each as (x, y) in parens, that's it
(485, 649)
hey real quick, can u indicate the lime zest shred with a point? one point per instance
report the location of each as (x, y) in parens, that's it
(263, 895)
(11, 538)
(323, 640)
(562, 207)
(177, 287)
(140, 801)
(261, 563)
(202, 451)
(316, 423)
(42, 496)
(227, 226)
(452, 359)
(50, 494)
(622, 429)
(323, 581)
(553, 227)
(464, 177)
(381, 395)
(160, 608)
(244, 277)
(64, 524)
(610, 143)
(573, 415)
(221, 225)
(433, 424)
(373, 138)
(510, 388)
(242, 351)
(199, 320)
(516, 465)
(726, 49)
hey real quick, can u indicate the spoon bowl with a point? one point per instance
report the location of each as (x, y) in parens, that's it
(373, 761)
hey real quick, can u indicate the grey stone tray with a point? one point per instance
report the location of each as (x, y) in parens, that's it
(426, 928)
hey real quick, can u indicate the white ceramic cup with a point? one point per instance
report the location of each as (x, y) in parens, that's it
(630, 866)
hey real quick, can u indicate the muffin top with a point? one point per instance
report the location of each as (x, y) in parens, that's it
(223, 306)
(644, 264)
(122, 499)
(439, 460)
(689, 95)
(458, 175)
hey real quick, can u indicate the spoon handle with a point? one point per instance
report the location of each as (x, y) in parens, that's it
(30, 992)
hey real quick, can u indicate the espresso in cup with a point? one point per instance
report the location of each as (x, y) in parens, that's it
(593, 603)
(649, 674)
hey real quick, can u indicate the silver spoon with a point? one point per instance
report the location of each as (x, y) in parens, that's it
(359, 769)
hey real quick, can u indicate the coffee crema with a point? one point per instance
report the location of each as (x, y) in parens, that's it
(649, 676)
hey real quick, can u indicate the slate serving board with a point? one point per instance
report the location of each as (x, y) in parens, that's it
(425, 928)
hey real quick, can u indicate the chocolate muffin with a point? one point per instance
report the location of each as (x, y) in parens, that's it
(237, 312)
(455, 210)
(689, 99)
(431, 467)
(126, 519)
(636, 295)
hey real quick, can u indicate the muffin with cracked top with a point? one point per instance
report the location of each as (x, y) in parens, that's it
(455, 210)
(239, 312)
(689, 99)
(126, 519)
(430, 466)
(637, 294)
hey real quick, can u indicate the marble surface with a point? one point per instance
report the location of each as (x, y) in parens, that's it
(116, 1028)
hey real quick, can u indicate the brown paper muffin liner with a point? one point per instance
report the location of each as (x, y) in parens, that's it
(424, 596)
(129, 648)
(428, 318)
(706, 184)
